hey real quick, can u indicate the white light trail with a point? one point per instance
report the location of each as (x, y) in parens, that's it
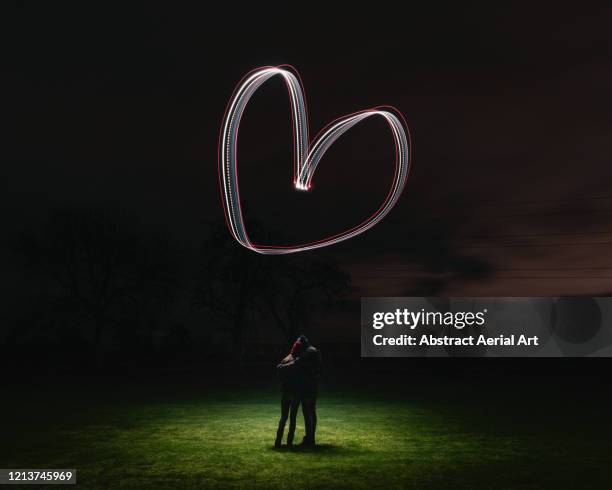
(307, 155)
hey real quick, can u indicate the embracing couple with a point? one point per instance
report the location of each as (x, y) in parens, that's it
(299, 376)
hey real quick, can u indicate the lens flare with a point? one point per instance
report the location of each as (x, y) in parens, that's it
(307, 155)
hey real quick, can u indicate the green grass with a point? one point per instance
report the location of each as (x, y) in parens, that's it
(136, 438)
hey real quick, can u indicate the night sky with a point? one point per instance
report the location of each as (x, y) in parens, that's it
(510, 113)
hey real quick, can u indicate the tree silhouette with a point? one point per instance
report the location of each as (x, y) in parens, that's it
(228, 282)
(235, 283)
(300, 286)
(98, 271)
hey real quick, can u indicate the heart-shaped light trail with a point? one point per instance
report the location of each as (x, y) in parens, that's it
(307, 155)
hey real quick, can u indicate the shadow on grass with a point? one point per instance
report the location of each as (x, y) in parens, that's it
(321, 449)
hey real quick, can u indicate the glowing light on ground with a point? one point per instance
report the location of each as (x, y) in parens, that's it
(307, 155)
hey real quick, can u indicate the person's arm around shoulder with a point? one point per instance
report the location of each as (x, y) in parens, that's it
(289, 362)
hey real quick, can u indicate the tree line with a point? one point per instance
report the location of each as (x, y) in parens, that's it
(105, 288)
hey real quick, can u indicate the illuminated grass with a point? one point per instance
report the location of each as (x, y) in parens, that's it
(223, 441)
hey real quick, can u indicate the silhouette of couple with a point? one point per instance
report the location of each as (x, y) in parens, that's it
(299, 376)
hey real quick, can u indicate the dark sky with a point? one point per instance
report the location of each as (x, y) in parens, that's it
(510, 112)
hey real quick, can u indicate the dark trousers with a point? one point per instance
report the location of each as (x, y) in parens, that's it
(309, 409)
(289, 408)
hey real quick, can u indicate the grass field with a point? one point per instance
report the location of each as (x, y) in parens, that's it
(145, 435)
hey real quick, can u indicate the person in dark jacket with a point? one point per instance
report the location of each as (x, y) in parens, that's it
(305, 361)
